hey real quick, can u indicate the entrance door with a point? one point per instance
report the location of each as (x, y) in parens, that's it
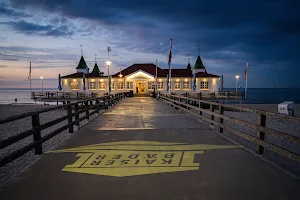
(140, 87)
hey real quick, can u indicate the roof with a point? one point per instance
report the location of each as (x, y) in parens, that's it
(82, 64)
(189, 67)
(96, 68)
(80, 75)
(180, 72)
(205, 74)
(199, 64)
(150, 68)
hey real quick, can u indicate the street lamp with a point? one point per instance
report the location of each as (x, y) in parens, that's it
(42, 84)
(237, 79)
(108, 63)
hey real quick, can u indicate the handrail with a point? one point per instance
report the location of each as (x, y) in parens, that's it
(175, 100)
(106, 101)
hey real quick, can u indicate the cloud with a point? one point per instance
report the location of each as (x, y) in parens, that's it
(5, 11)
(37, 29)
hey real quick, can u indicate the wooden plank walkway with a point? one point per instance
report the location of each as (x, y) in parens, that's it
(143, 149)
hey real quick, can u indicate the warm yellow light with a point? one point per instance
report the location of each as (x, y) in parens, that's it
(214, 79)
(42, 77)
(177, 80)
(120, 80)
(159, 79)
(205, 79)
(108, 63)
(185, 79)
(66, 80)
(120, 75)
(93, 80)
(237, 77)
(101, 80)
(74, 80)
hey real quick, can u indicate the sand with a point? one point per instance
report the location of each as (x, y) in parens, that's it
(13, 128)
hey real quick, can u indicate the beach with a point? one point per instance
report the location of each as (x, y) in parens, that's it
(16, 127)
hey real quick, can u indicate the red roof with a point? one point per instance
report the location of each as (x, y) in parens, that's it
(80, 75)
(180, 72)
(205, 74)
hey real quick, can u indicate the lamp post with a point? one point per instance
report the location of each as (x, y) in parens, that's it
(42, 84)
(108, 63)
(237, 79)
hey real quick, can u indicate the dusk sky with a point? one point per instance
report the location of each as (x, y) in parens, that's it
(229, 33)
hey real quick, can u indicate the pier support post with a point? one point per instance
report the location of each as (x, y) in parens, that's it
(77, 126)
(261, 135)
(37, 134)
(212, 117)
(70, 119)
(221, 119)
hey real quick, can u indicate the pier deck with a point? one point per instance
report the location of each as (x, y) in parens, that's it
(144, 149)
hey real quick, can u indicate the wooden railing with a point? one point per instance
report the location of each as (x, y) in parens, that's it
(188, 104)
(62, 95)
(101, 103)
(215, 95)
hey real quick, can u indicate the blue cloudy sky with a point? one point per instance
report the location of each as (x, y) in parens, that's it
(49, 34)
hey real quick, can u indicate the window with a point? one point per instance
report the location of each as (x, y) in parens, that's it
(101, 86)
(151, 85)
(120, 85)
(92, 86)
(177, 86)
(186, 85)
(74, 85)
(160, 85)
(112, 85)
(129, 85)
(204, 86)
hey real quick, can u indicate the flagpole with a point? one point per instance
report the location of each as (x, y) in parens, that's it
(30, 78)
(156, 76)
(246, 80)
(170, 69)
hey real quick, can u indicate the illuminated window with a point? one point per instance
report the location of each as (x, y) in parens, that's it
(151, 85)
(177, 86)
(74, 85)
(129, 85)
(112, 85)
(120, 85)
(160, 85)
(204, 85)
(186, 85)
(92, 85)
(101, 86)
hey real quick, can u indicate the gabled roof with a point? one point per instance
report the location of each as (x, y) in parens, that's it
(82, 64)
(96, 68)
(199, 64)
(150, 68)
(205, 74)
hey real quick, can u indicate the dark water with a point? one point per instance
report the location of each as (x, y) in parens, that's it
(270, 95)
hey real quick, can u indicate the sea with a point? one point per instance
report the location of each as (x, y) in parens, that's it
(254, 95)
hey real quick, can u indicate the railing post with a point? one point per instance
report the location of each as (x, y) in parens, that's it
(37, 134)
(87, 111)
(200, 106)
(221, 119)
(70, 119)
(77, 115)
(261, 135)
(212, 117)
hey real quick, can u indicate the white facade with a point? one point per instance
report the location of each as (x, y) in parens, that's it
(140, 82)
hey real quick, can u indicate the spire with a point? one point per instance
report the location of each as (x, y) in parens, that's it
(82, 64)
(199, 63)
(96, 68)
(189, 65)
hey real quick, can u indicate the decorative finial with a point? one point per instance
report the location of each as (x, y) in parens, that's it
(95, 58)
(199, 51)
(81, 50)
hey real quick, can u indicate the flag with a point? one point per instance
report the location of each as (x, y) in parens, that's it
(167, 82)
(194, 82)
(108, 49)
(29, 75)
(245, 73)
(59, 83)
(84, 88)
(170, 54)
(222, 84)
